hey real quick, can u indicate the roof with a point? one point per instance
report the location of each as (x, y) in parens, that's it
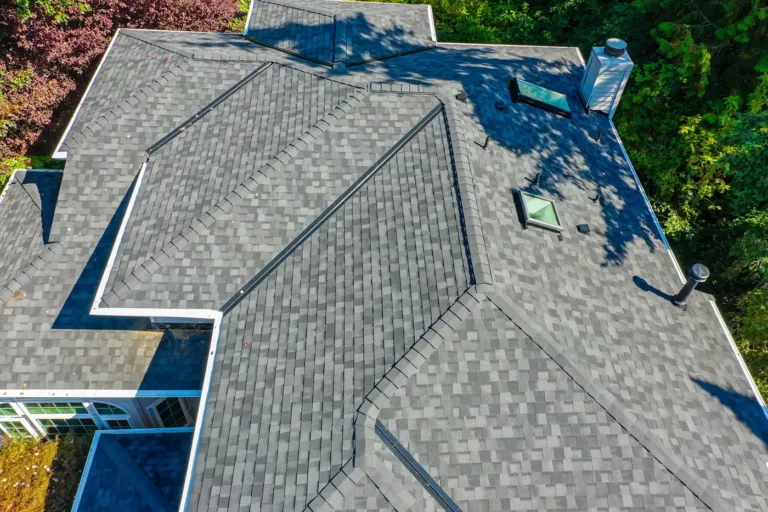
(135, 470)
(26, 205)
(354, 233)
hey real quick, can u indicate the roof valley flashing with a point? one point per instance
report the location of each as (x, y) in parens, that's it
(366, 284)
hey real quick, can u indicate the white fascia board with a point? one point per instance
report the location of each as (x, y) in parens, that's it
(63, 154)
(680, 274)
(8, 183)
(201, 410)
(166, 313)
(85, 394)
(248, 18)
(118, 240)
(432, 28)
(87, 469)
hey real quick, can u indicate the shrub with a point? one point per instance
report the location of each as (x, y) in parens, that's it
(41, 475)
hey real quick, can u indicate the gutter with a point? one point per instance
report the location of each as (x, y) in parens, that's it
(680, 274)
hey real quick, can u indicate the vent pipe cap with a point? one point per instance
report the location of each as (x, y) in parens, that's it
(615, 47)
(699, 273)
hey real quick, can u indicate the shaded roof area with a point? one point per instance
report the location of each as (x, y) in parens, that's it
(135, 471)
(500, 426)
(26, 207)
(341, 32)
(298, 354)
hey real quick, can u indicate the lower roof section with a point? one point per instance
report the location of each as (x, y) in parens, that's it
(134, 470)
(500, 426)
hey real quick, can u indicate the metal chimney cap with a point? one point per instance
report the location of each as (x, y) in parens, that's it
(699, 273)
(615, 47)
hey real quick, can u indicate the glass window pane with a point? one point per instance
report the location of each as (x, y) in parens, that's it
(171, 413)
(108, 410)
(118, 424)
(15, 428)
(56, 408)
(7, 410)
(540, 209)
(58, 427)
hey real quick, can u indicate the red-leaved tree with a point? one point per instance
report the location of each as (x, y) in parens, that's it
(48, 49)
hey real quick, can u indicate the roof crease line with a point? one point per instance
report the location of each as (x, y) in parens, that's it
(328, 212)
(606, 400)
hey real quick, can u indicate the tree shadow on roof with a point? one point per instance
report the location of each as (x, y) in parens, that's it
(746, 408)
(573, 165)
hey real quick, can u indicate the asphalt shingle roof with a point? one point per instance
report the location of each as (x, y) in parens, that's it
(136, 471)
(552, 375)
(26, 207)
(341, 32)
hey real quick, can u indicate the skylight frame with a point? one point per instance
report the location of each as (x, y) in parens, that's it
(528, 220)
(518, 96)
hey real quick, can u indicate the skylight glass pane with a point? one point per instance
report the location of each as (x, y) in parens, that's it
(538, 96)
(541, 210)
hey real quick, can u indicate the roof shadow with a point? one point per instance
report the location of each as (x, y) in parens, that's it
(47, 184)
(747, 409)
(75, 313)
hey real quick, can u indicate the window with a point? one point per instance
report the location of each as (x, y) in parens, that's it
(16, 428)
(56, 408)
(172, 412)
(59, 427)
(7, 410)
(539, 211)
(109, 409)
(526, 92)
(118, 424)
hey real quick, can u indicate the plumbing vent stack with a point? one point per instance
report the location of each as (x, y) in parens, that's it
(606, 76)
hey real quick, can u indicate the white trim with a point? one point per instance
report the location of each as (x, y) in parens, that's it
(98, 394)
(506, 45)
(56, 152)
(248, 18)
(743, 365)
(680, 274)
(8, 183)
(581, 57)
(185, 495)
(432, 28)
(118, 239)
(95, 444)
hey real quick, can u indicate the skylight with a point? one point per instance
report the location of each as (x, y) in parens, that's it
(526, 92)
(539, 211)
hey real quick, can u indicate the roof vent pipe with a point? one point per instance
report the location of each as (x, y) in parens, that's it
(698, 274)
(606, 76)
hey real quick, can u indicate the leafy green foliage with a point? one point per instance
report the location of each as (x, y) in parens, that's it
(694, 119)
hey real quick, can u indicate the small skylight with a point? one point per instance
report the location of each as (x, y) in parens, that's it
(539, 211)
(526, 92)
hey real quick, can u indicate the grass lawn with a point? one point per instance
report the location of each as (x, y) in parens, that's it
(38, 476)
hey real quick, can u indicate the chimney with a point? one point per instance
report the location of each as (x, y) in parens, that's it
(605, 77)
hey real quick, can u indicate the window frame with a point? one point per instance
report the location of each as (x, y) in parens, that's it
(185, 408)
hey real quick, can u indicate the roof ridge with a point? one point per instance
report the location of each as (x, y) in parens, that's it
(605, 399)
(200, 224)
(292, 6)
(144, 93)
(207, 109)
(25, 274)
(330, 210)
